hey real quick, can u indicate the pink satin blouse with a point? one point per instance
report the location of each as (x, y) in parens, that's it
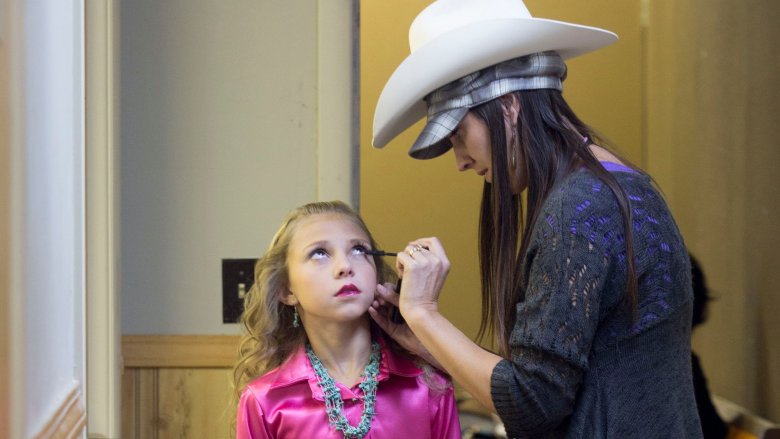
(287, 403)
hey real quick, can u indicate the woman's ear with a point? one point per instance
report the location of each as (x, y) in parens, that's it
(511, 108)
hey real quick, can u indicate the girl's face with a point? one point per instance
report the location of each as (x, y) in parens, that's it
(331, 279)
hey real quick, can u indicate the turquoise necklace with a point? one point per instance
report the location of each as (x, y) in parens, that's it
(334, 406)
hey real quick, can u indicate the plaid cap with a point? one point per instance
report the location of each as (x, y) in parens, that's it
(448, 105)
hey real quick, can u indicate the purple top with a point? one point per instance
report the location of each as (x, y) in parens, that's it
(287, 403)
(616, 167)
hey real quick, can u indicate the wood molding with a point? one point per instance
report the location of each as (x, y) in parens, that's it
(187, 351)
(68, 420)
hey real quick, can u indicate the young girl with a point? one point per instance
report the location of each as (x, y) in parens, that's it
(311, 363)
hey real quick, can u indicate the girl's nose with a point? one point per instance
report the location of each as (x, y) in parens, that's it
(344, 267)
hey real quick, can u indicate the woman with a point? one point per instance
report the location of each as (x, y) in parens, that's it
(587, 290)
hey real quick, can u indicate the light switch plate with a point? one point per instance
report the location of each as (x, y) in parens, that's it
(238, 276)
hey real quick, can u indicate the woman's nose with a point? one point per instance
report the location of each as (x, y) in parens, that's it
(463, 162)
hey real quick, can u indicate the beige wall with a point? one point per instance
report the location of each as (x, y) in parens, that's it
(689, 93)
(230, 117)
(5, 229)
(713, 126)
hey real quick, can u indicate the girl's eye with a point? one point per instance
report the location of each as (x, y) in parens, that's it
(318, 253)
(359, 250)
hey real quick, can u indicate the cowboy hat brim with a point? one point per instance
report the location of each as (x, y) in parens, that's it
(468, 49)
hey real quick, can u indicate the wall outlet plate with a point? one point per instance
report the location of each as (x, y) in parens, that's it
(238, 276)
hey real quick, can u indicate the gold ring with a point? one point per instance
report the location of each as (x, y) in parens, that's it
(416, 248)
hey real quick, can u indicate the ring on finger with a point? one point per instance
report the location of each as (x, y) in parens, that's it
(416, 248)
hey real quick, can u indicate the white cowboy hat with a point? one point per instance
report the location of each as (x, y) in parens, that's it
(453, 38)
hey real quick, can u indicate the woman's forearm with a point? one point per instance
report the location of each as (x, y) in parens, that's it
(468, 363)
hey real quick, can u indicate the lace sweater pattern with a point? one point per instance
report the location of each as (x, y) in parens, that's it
(581, 367)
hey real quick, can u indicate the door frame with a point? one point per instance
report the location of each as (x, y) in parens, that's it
(103, 325)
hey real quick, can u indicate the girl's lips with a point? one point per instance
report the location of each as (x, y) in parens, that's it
(348, 290)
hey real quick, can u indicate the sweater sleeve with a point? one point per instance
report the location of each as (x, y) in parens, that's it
(567, 266)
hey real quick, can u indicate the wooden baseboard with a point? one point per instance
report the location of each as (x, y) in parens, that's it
(186, 351)
(69, 419)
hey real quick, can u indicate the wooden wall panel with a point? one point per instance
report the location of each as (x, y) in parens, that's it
(193, 403)
(179, 350)
(140, 403)
(173, 395)
(162, 403)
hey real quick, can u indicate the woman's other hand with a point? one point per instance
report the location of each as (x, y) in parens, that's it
(385, 302)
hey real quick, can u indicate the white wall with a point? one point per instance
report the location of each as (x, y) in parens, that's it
(221, 103)
(53, 201)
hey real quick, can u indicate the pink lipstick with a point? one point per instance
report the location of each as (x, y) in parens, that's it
(348, 290)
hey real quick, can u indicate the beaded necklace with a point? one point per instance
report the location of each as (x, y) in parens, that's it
(334, 406)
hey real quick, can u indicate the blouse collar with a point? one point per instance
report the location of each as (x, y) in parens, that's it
(297, 368)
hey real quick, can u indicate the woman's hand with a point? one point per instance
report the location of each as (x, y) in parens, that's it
(424, 267)
(380, 310)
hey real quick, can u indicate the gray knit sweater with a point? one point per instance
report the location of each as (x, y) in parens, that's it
(581, 368)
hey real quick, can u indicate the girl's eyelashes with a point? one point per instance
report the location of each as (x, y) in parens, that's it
(321, 253)
(318, 253)
(359, 249)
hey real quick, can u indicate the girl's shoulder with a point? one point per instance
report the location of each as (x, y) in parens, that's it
(264, 382)
(400, 364)
(293, 370)
(397, 362)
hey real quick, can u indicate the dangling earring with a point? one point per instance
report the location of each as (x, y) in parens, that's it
(513, 151)
(296, 318)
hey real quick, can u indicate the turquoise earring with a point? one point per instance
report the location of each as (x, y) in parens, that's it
(296, 318)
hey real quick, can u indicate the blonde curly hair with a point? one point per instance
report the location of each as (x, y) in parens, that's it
(269, 337)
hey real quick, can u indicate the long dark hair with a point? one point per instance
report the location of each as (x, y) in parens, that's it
(551, 146)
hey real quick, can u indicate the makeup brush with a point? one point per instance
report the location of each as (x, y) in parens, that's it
(380, 253)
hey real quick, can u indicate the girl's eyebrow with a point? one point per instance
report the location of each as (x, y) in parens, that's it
(326, 243)
(321, 243)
